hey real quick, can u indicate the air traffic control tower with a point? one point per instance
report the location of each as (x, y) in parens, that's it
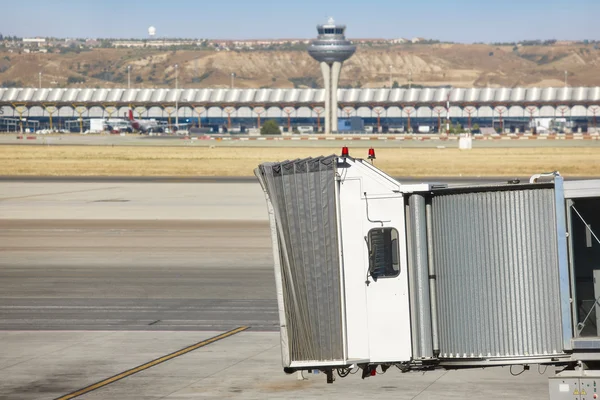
(331, 49)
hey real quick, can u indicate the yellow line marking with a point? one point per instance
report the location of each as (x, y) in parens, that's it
(150, 364)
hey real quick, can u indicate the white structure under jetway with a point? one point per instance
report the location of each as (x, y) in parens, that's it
(373, 273)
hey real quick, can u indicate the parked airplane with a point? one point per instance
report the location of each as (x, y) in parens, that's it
(144, 125)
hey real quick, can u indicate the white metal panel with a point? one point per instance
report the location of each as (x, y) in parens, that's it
(203, 96)
(397, 95)
(96, 112)
(7, 111)
(307, 95)
(232, 96)
(533, 95)
(66, 111)
(564, 95)
(532, 112)
(291, 96)
(456, 112)
(262, 96)
(579, 111)
(218, 96)
(215, 112)
(155, 112)
(594, 94)
(349, 95)
(582, 188)
(70, 95)
(348, 111)
(579, 94)
(247, 96)
(100, 95)
(158, 95)
(319, 96)
(548, 95)
(122, 113)
(40, 95)
(11, 94)
(276, 96)
(547, 111)
(304, 112)
(412, 96)
(374, 328)
(144, 96)
(563, 111)
(114, 96)
(2, 93)
(35, 111)
(441, 95)
(380, 95)
(26, 95)
(274, 112)
(187, 95)
(129, 95)
(517, 95)
(457, 95)
(487, 95)
(244, 112)
(364, 112)
(502, 95)
(441, 111)
(484, 112)
(472, 95)
(364, 96)
(424, 112)
(55, 95)
(516, 112)
(184, 112)
(85, 95)
(426, 96)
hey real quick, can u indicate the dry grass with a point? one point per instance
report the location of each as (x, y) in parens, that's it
(184, 161)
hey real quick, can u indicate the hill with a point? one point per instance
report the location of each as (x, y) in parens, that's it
(477, 65)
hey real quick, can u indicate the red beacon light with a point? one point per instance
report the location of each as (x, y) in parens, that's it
(345, 152)
(371, 153)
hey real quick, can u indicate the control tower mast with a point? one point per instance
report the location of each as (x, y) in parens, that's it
(331, 49)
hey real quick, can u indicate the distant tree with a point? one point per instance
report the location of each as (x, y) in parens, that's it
(138, 79)
(75, 79)
(456, 128)
(1, 37)
(475, 128)
(12, 84)
(270, 128)
(395, 85)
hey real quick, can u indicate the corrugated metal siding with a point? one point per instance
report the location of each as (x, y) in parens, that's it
(497, 274)
(303, 196)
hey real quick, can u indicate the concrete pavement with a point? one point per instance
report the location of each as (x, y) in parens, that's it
(99, 278)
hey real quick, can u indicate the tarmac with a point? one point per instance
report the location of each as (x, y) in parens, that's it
(310, 141)
(120, 290)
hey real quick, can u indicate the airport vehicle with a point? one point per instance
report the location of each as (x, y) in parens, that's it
(305, 129)
(372, 273)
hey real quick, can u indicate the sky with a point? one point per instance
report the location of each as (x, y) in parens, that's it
(463, 21)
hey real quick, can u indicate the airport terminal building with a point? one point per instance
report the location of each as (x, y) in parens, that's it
(241, 110)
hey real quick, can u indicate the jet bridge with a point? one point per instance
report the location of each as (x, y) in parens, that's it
(372, 273)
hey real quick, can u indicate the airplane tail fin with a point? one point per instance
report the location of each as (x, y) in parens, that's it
(130, 115)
